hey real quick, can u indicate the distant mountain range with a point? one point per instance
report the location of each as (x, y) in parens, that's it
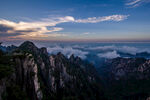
(126, 78)
(31, 73)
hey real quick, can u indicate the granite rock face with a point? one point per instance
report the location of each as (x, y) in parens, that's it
(30, 73)
(129, 68)
(40, 76)
(24, 75)
(27, 76)
(126, 78)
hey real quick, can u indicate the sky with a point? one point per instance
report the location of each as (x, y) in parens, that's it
(75, 20)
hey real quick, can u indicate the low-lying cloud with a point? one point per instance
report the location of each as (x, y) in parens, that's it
(109, 55)
(123, 49)
(67, 51)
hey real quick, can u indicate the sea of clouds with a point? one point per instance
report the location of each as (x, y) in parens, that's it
(97, 50)
(123, 49)
(67, 51)
(108, 52)
(109, 55)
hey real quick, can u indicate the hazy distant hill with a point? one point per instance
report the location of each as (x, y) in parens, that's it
(126, 78)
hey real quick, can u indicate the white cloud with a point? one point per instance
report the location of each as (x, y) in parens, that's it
(88, 33)
(123, 49)
(109, 55)
(101, 19)
(135, 3)
(57, 35)
(130, 50)
(54, 29)
(67, 51)
(37, 29)
(79, 46)
(57, 20)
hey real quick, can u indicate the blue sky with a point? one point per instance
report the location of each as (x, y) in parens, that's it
(78, 20)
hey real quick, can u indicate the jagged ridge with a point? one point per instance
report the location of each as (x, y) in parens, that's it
(55, 77)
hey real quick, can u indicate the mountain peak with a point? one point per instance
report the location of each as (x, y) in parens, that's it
(60, 54)
(44, 50)
(29, 47)
(27, 43)
(72, 57)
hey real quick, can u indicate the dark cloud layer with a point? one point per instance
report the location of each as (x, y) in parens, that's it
(9, 34)
(4, 31)
(8, 31)
(5, 28)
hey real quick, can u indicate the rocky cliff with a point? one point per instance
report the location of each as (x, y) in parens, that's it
(30, 73)
(126, 78)
(23, 77)
(127, 68)
(33, 74)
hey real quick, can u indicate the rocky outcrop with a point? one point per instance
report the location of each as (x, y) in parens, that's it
(51, 77)
(27, 76)
(129, 68)
(126, 78)
(30, 73)
(71, 77)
